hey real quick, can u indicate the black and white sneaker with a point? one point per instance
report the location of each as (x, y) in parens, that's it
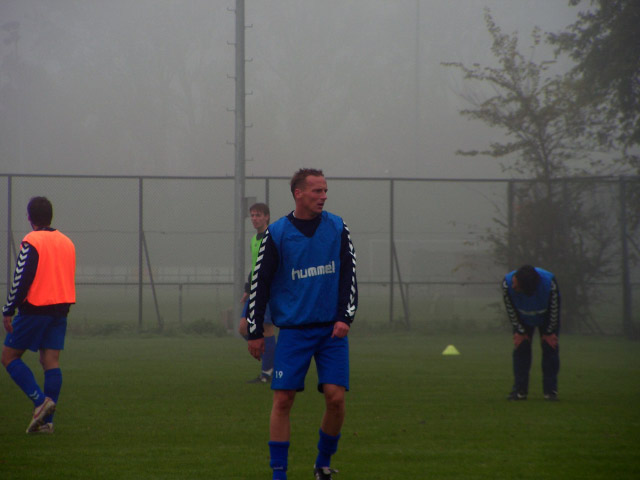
(262, 378)
(513, 396)
(323, 473)
(551, 397)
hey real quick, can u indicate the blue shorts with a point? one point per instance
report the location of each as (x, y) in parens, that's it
(35, 332)
(267, 313)
(294, 350)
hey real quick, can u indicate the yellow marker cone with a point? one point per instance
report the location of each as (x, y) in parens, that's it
(451, 350)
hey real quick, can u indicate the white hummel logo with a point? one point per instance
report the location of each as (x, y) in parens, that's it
(314, 271)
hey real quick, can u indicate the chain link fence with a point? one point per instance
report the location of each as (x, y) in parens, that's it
(157, 252)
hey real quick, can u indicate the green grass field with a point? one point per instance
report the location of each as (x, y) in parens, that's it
(155, 407)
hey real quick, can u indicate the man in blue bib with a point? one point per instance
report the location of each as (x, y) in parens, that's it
(306, 273)
(532, 299)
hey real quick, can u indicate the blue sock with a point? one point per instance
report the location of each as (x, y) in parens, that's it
(23, 376)
(279, 459)
(327, 446)
(52, 386)
(269, 354)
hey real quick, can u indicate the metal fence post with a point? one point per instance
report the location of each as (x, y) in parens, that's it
(266, 191)
(627, 325)
(140, 246)
(391, 257)
(510, 197)
(9, 233)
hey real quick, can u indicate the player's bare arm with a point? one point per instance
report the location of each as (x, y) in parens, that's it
(256, 348)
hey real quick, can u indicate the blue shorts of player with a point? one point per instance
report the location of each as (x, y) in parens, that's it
(267, 313)
(34, 332)
(296, 347)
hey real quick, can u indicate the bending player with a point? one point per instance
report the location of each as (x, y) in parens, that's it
(532, 299)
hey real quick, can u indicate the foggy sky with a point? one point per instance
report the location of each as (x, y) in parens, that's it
(355, 87)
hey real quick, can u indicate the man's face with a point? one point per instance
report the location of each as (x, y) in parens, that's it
(259, 220)
(515, 285)
(310, 199)
(518, 288)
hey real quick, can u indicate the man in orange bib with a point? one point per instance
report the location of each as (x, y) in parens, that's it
(43, 290)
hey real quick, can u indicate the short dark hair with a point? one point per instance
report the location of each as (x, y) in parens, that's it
(40, 211)
(299, 178)
(262, 208)
(528, 279)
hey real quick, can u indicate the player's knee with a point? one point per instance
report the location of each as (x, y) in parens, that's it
(283, 400)
(45, 363)
(49, 359)
(8, 356)
(334, 398)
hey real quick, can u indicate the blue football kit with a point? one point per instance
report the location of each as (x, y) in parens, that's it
(306, 275)
(42, 291)
(540, 310)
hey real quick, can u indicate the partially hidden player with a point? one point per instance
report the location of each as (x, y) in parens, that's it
(43, 290)
(307, 274)
(260, 218)
(532, 299)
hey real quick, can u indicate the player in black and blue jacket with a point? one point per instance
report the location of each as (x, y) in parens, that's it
(306, 273)
(532, 299)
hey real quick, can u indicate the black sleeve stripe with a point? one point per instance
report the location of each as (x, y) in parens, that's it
(511, 312)
(23, 276)
(352, 305)
(251, 320)
(554, 308)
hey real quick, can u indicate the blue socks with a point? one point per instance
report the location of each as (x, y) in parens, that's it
(52, 386)
(279, 459)
(327, 446)
(269, 354)
(24, 378)
(22, 375)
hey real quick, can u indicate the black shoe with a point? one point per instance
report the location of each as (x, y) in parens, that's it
(323, 473)
(551, 397)
(262, 378)
(517, 396)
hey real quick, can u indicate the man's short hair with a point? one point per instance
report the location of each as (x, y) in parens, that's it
(528, 279)
(299, 178)
(40, 211)
(262, 208)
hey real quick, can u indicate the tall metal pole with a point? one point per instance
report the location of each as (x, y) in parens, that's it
(9, 234)
(416, 128)
(140, 252)
(510, 222)
(627, 324)
(238, 240)
(391, 247)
